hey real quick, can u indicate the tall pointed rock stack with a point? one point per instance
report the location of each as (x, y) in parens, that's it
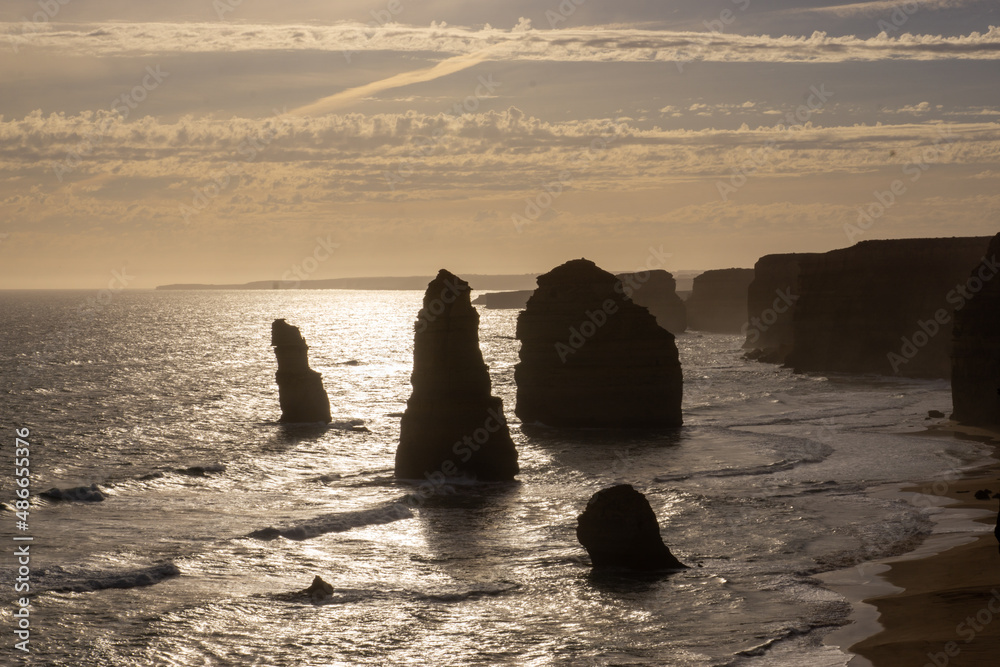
(300, 389)
(452, 426)
(590, 357)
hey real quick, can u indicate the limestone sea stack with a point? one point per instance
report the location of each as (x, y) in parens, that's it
(452, 426)
(657, 291)
(718, 301)
(883, 307)
(619, 529)
(975, 354)
(771, 297)
(590, 357)
(300, 389)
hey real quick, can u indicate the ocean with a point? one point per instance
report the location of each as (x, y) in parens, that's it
(167, 402)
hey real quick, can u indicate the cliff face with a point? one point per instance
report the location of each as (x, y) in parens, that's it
(656, 290)
(300, 389)
(718, 301)
(882, 307)
(771, 299)
(592, 358)
(452, 425)
(975, 356)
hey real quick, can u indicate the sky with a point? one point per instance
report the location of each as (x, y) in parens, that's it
(224, 141)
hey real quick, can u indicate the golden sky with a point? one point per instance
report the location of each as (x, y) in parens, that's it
(197, 141)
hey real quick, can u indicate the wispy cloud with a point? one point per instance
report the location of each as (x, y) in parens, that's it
(567, 45)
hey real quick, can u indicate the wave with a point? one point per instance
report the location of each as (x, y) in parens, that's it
(82, 582)
(337, 522)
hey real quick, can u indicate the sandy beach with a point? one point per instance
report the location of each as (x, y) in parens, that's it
(949, 610)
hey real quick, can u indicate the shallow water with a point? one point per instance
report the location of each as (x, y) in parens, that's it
(772, 480)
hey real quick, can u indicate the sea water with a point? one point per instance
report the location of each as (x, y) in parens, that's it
(167, 401)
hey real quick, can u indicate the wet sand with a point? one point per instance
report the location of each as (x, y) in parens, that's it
(949, 610)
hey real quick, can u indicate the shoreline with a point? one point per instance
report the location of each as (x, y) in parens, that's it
(939, 604)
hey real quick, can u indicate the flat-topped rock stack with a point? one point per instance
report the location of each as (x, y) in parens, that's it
(590, 357)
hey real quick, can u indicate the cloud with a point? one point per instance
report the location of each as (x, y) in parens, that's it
(566, 45)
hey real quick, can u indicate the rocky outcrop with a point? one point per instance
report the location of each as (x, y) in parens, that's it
(591, 358)
(504, 300)
(300, 389)
(718, 301)
(656, 290)
(452, 425)
(975, 354)
(619, 529)
(883, 307)
(319, 590)
(771, 297)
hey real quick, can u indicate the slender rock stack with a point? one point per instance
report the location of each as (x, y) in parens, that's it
(619, 529)
(300, 389)
(590, 357)
(975, 353)
(657, 291)
(452, 426)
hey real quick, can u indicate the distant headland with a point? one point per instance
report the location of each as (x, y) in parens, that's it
(489, 282)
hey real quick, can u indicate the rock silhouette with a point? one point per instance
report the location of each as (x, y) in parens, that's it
(319, 590)
(656, 290)
(882, 307)
(975, 354)
(771, 299)
(590, 357)
(619, 529)
(452, 425)
(504, 300)
(300, 389)
(718, 300)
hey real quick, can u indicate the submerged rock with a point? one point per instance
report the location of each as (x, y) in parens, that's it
(590, 357)
(300, 389)
(975, 353)
(656, 290)
(319, 590)
(619, 529)
(83, 494)
(718, 300)
(452, 425)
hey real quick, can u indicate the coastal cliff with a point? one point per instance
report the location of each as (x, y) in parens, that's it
(453, 426)
(718, 301)
(656, 290)
(590, 357)
(883, 307)
(771, 298)
(975, 355)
